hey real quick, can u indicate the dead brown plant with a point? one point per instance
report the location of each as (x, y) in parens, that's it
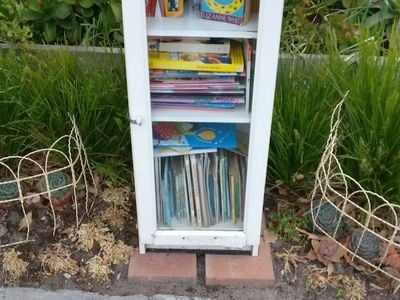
(57, 258)
(290, 260)
(13, 266)
(98, 269)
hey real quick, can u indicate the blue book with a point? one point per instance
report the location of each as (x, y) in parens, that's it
(194, 135)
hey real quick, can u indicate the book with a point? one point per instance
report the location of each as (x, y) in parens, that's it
(150, 7)
(209, 62)
(202, 45)
(194, 135)
(190, 190)
(158, 73)
(234, 11)
(179, 151)
(196, 188)
(172, 8)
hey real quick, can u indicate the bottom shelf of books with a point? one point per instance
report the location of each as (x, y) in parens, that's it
(199, 183)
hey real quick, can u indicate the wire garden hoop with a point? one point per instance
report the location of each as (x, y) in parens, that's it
(74, 163)
(336, 189)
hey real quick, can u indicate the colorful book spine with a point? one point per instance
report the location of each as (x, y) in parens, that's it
(234, 62)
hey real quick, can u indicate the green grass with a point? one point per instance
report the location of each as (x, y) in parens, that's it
(370, 144)
(300, 125)
(369, 148)
(40, 91)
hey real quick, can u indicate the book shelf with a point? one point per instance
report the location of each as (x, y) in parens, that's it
(240, 228)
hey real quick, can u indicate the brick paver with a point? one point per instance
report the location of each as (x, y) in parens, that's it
(163, 267)
(241, 270)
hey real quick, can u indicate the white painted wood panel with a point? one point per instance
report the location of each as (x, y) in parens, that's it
(266, 28)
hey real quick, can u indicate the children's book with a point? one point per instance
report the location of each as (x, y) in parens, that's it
(172, 8)
(150, 7)
(230, 11)
(209, 62)
(194, 135)
(202, 45)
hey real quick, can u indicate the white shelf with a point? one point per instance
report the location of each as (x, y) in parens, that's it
(191, 25)
(237, 115)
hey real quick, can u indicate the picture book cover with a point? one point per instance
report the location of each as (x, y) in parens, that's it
(194, 135)
(209, 62)
(230, 11)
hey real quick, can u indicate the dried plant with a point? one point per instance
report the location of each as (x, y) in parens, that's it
(348, 287)
(115, 216)
(13, 266)
(57, 258)
(88, 233)
(290, 260)
(98, 269)
(117, 253)
(117, 196)
(318, 279)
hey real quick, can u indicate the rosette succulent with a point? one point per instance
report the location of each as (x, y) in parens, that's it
(57, 180)
(327, 217)
(369, 246)
(9, 189)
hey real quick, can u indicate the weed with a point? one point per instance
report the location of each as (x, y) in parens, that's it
(284, 224)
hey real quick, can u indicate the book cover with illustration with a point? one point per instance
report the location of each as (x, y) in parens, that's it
(229, 11)
(194, 135)
(209, 62)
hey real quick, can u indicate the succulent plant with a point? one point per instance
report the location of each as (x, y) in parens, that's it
(9, 189)
(56, 180)
(369, 246)
(327, 217)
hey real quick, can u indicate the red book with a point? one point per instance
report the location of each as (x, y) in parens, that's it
(150, 8)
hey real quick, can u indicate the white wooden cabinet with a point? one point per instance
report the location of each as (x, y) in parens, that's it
(265, 27)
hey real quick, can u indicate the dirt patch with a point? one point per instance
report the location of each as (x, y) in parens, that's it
(53, 274)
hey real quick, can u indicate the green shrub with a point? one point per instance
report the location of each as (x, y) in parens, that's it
(75, 21)
(11, 27)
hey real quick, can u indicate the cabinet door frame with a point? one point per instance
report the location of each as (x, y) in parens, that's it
(268, 38)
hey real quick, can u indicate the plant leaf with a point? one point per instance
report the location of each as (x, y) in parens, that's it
(311, 255)
(393, 260)
(63, 10)
(330, 268)
(25, 221)
(86, 3)
(311, 236)
(117, 10)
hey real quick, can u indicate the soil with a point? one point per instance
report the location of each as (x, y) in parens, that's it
(41, 232)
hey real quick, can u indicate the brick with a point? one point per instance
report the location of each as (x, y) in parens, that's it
(162, 267)
(241, 270)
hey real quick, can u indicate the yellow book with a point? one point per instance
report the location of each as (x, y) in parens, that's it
(234, 62)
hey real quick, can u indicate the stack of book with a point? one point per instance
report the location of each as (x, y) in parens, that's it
(200, 190)
(197, 74)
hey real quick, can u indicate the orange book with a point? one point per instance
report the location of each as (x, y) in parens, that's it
(173, 8)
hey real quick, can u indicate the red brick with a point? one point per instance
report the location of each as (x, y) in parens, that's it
(163, 267)
(241, 270)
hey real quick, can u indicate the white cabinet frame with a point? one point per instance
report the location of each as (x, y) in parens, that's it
(267, 30)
